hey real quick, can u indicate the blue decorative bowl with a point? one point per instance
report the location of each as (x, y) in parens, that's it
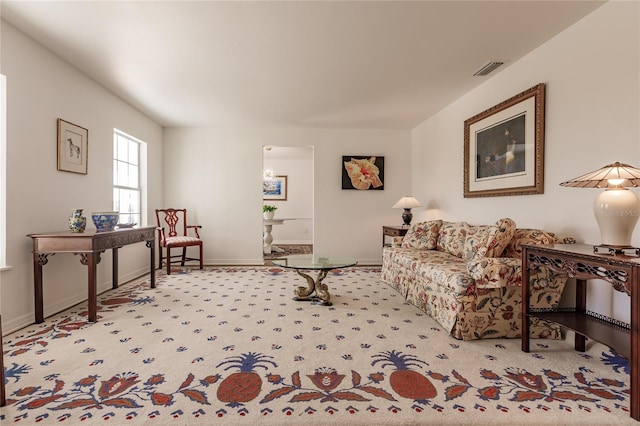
(105, 221)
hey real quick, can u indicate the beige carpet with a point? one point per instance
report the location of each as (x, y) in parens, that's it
(230, 346)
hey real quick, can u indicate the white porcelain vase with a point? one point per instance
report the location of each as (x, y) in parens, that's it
(268, 215)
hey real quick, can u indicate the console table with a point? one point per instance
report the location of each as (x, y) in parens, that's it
(89, 245)
(580, 262)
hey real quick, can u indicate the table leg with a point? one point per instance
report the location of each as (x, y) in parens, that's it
(38, 261)
(152, 262)
(634, 362)
(114, 268)
(322, 296)
(526, 295)
(581, 307)
(268, 239)
(91, 260)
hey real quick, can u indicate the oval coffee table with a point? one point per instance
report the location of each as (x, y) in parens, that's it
(311, 262)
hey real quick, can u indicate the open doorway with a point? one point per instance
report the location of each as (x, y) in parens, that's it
(287, 187)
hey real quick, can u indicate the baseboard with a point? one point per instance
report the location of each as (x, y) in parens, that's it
(62, 305)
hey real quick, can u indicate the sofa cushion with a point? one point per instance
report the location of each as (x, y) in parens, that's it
(423, 235)
(488, 240)
(527, 236)
(452, 237)
(444, 270)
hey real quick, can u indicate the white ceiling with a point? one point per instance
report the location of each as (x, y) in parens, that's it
(339, 64)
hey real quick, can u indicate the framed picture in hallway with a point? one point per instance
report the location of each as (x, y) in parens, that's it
(362, 172)
(73, 142)
(275, 188)
(504, 147)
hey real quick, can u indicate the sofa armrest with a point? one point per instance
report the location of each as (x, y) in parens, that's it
(495, 272)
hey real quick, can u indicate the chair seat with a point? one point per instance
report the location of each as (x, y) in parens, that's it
(178, 241)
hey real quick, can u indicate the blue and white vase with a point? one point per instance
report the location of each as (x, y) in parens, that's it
(77, 222)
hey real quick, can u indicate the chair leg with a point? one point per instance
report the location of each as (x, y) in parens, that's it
(160, 257)
(168, 261)
(200, 256)
(184, 256)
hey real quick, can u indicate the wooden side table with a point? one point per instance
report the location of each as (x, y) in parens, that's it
(580, 262)
(393, 231)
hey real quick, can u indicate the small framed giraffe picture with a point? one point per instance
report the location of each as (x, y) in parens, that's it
(73, 142)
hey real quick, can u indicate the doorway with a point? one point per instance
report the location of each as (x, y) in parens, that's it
(288, 186)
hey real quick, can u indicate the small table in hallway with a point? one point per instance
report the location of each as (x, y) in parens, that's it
(323, 264)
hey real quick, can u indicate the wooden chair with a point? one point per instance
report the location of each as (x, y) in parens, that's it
(173, 233)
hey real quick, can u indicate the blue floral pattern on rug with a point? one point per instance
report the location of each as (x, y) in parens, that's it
(254, 378)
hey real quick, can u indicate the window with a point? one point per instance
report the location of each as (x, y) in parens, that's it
(128, 162)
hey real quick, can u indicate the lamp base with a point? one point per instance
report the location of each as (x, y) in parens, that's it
(407, 216)
(617, 211)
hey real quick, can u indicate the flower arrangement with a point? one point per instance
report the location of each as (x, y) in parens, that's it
(267, 208)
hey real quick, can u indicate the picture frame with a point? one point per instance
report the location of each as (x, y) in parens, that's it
(504, 147)
(363, 172)
(275, 189)
(73, 144)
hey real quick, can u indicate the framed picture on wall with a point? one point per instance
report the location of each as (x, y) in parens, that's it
(73, 142)
(504, 147)
(275, 188)
(362, 172)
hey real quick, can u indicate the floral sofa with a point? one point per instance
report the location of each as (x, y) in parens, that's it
(468, 278)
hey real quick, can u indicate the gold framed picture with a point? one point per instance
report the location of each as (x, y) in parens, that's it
(504, 147)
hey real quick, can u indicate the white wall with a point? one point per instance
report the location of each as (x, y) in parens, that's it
(40, 89)
(217, 174)
(592, 118)
(296, 163)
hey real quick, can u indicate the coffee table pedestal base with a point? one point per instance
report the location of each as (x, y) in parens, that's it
(322, 296)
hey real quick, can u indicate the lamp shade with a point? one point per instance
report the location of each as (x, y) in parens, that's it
(607, 177)
(407, 202)
(616, 209)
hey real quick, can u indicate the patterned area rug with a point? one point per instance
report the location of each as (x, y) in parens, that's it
(229, 345)
(289, 249)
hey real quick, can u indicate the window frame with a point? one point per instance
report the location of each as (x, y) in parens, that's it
(141, 174)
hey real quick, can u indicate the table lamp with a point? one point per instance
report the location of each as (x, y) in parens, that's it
(617, 209)
(407, 203)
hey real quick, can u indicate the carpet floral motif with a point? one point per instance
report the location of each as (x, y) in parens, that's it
(209, 345)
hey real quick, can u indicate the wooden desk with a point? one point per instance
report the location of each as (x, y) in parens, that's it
(578, 261)
(89, 245)
(393, 231)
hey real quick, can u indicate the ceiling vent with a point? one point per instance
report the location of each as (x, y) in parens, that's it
(487, 68)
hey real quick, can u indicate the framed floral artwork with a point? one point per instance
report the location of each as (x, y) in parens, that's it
(73, 142)
(362, 172)
(504, 147)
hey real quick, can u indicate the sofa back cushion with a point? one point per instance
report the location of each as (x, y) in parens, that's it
(423, 235)
(527, 236)
(488, 240)
(452, 237)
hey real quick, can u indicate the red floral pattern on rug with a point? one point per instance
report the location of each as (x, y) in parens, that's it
(246, 383)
